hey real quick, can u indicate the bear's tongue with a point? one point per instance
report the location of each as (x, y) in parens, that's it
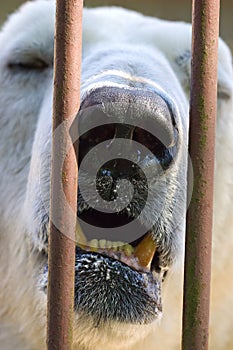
(139, 257)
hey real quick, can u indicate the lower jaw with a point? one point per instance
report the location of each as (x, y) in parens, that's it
(119, 293)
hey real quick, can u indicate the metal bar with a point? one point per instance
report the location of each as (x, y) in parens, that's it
(63, 208)
(202, 152)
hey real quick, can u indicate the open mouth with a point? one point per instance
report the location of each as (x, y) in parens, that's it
(117, 281)
(140, 254)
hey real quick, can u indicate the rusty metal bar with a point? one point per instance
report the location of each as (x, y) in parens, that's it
(63, 209)
(201, 148)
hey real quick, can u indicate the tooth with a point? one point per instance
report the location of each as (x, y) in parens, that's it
(145, 251)
(119, 245)
(109, 244)
(80, 237)
(102, 243)
(115, 246)
(128, 250)
(93, 244)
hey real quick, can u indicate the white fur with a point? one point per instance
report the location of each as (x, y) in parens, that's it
(25, 108)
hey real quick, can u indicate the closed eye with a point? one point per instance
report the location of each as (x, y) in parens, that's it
(34, 64)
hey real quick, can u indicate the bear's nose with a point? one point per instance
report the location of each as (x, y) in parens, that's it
(141, 108)
(111, 114)
(121, 131)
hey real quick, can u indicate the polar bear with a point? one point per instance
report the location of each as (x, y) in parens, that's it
(134, 68)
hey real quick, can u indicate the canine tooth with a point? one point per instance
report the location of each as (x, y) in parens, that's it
(145, 251)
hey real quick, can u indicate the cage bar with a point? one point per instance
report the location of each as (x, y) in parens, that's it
(64, 173)
(203, 103)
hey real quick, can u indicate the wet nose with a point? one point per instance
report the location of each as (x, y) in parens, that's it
(112, 114)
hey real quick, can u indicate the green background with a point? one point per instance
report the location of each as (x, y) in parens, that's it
(173, 9)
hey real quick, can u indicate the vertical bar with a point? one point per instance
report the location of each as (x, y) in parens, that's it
(66, 101)
(202, 151)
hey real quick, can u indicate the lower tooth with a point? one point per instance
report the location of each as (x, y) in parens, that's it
(128, 250)
(102, 243)
(109, 245)
(114, 246)
(95, 244)
(121, 245)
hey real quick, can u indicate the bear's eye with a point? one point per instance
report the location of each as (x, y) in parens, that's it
(35, 64)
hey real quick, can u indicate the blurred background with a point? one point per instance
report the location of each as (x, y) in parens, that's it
(173, 9)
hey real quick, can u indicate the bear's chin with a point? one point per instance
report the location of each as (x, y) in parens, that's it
(110, 335)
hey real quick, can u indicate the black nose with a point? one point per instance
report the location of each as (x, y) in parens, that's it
(143, 108)
(112, 113)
